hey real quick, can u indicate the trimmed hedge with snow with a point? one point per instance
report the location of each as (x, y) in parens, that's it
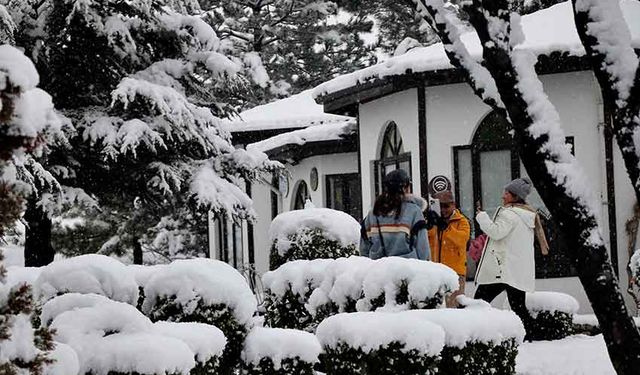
(277, 351)
(112, 337)
(301, 293)
(478, 340)
(206, 291)
(90, 273)
(379, 343)
(312, 233)
(551, 315)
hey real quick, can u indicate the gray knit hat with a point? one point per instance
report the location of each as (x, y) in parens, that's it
(520, 187)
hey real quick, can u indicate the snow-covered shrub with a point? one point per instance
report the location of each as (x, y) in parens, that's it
(205, 291)
(379, 343)
(142, 274)
(112, 337)
(205, 341)
(478, 340)
(312, 233)
(551, 315)
(395, 283)
(301, 293)
(287, 290)
(23, 349)
(278, 351)
(585, 324)
(90, 273)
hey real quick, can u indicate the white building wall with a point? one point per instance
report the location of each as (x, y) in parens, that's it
(401, 108)
(453, 113)
(326, 165)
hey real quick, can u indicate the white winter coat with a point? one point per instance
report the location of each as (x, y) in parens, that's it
(508, 255)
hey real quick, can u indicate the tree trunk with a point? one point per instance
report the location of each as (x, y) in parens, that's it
(38, 251)
(570, 211)
(137, 251)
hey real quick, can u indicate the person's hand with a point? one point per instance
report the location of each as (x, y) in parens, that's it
(431, 219)
(478, 207)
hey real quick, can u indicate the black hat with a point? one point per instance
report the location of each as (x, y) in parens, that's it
(396, 180)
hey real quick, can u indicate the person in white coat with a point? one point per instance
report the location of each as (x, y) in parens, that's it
(507, 262)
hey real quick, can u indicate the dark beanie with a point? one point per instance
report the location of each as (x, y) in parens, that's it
(396, 180)
(520, 187)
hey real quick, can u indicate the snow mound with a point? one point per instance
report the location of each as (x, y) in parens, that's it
(142, 274)
(114, 336)
(69, 302)
(424, 280)
(551, 302)
(278, 344)
(140, 353)
(22, 275)
(336, 225)
(90, 273)
(99, 320)
(301, 276)
(471, 325)
(370, 330)
(65, 361)
(205, 340)
(213, 281)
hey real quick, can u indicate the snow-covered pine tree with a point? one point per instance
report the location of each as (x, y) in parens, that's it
(506, 80)
(143, 86)
(290, 45)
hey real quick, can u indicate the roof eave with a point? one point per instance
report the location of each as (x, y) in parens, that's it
(346, 101)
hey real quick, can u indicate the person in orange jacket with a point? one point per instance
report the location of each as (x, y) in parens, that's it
(448, 239)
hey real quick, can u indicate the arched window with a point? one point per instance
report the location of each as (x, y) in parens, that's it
(302, 194)
(392, 155)
(483, 168)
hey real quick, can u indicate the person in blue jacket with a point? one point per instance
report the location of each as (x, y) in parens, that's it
(396, 225)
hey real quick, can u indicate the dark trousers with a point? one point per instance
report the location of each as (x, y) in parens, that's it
(489, 292)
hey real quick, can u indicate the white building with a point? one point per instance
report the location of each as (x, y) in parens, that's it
(415, 112)
(319, 152)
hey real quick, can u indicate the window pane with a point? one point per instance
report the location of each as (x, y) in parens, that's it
(495, 167)
(465, 184)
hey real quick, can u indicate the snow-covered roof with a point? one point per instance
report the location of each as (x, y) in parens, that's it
(327, 132)
(296, 111)
(546, 31)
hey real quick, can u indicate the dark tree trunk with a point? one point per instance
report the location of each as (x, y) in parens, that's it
(137, 252)
(38, 251)
(578, 223)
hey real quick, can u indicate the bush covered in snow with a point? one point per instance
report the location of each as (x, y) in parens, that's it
(312, 233)
(112, 337)
(551, 315)
(379, 343)
(301, 293)
(90, 273)
(206, 291)
(277, 351)
(478, 340)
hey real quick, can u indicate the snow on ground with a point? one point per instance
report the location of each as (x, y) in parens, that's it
(574, 355)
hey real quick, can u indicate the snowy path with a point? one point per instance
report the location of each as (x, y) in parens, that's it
(574, 355)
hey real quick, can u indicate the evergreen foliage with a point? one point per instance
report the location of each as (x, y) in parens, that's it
(478, 358)
(288, 366)
(144, 87)
(549, 325)
(309, 243)
(23, 349)
(385, 360)
(219, 315)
